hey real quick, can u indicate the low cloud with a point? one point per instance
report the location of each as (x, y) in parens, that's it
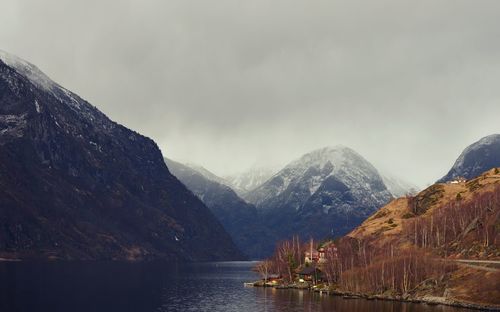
(228, 84)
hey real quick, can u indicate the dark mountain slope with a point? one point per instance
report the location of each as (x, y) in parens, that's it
(239, 218)
(76, 185)
(476, 158)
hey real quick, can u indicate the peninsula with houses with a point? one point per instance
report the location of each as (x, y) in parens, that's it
(439, 246)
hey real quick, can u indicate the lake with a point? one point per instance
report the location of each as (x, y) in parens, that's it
(159, 286)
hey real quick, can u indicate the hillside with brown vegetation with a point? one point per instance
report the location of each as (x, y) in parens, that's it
(441, 245)
(452, 219)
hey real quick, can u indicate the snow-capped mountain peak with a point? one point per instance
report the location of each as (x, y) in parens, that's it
(476, 159)
(250, 179)
(28, 70)
(484, 142)
(327, 191)
(310, 171)
(336, 157)
(42, 81)
(397, 186)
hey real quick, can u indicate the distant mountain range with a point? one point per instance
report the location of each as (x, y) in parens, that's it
(324, 193)
(250, 179)
(76, 185)
(476, 158)
(397, 186)
(240, 219)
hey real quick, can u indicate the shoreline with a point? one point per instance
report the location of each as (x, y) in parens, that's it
(429, 300)
(9, 260)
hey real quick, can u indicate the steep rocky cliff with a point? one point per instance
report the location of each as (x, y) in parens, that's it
(76, 185)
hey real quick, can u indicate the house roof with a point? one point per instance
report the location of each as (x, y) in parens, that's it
(272, 276)
(327, 244)
(315, 252)
(309, 270)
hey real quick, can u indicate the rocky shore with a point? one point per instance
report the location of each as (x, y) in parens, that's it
(431, 300)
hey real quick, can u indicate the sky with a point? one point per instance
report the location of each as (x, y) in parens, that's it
(231, 84)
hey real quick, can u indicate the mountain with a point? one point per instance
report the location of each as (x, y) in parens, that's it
(441, 245)
(433, 202)
(200, 170)
(250, 179)
(476, 158)
(324, 193)
(239, 218)
(397, 186)
(76, 185)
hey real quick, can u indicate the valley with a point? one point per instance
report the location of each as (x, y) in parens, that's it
(76, 185)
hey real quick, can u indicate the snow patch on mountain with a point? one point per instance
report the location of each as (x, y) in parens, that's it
(476, 159)
(486, 141)
(37, 107)
(207, 174)
(30, 71)
(42, 81)
(397, 186)
(250, 179)
(305, 178)
(12, 126)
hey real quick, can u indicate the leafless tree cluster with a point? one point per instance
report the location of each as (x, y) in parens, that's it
(287, 257)
(451, 223)
(360, 267)
(399, 266)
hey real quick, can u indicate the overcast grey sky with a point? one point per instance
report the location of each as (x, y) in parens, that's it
(227, 84)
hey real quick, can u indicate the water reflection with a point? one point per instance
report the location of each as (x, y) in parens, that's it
(159, 286)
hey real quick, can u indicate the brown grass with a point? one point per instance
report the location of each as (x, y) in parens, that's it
(475, 286)
(399, 209)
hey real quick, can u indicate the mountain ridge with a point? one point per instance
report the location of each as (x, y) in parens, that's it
(446, 234)
(397, 186)
(250, 179)
(324, 193)
(476, 158)
(76, 185)
(240, 219)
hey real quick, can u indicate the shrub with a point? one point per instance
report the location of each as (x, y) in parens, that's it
(407, 215)
(473, 185)
(380, 214)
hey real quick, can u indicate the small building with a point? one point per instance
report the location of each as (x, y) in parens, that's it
(458, 180)
(310, 257)
(321, 254)
(327, 250)
(271, 279)
(311, 274)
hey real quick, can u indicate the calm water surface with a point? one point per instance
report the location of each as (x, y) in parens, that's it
(155, 286)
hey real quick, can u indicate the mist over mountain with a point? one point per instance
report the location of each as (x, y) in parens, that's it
(240, 219)
(397, 186)
(324, 193)
(250, 179)
(76, 185)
